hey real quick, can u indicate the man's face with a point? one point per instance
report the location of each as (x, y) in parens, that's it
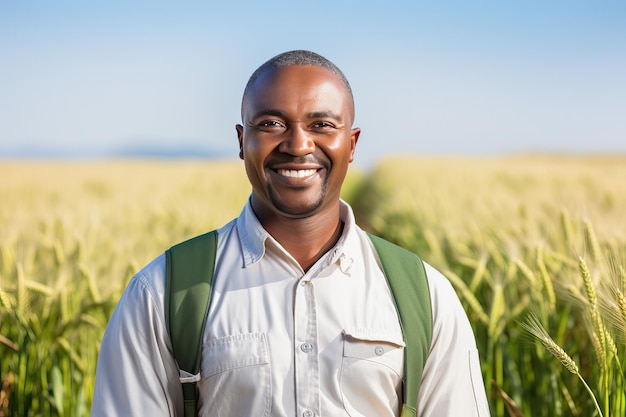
(296, 140)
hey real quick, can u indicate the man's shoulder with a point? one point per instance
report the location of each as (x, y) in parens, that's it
(150, 278)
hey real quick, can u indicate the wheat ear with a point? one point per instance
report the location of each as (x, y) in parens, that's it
(535, 328)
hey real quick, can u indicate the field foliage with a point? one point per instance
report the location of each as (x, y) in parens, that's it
(534, 245)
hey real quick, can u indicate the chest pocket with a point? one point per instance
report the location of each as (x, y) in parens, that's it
(371, 372)
(235, 376)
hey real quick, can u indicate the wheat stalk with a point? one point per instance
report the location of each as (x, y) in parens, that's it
(592, 296)
(621, 302)
(8, 343)
(566, 224)
(526, 272)
(498, 307)
(535, 328)
(545, 280)
(592, 241)
(467, 296)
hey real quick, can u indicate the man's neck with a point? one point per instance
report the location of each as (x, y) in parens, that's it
(306, 239)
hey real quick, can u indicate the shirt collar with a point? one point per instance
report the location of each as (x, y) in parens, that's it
(253, 237)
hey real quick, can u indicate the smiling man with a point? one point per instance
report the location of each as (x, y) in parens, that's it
(296, 142)
(302, 320)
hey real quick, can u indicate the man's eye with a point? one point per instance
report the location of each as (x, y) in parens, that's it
(320, 125)
(270, 123)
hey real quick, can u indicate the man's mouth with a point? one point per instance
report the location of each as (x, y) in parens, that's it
(296, 173)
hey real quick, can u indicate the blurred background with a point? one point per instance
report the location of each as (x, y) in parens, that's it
(493, 144)
(154, 78)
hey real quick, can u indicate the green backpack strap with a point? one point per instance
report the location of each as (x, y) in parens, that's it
(187, 299)
(406, 275)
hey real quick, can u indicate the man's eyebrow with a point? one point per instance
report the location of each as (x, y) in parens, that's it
(268, 112)
(324, 115)
(283, 114)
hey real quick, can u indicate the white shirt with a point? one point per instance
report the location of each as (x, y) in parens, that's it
(283, 342)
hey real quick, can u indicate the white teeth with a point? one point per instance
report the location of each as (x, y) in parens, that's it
(296, 173)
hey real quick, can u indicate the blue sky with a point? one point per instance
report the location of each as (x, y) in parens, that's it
(456, 77)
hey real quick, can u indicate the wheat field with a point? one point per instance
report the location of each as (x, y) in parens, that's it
(534, 245)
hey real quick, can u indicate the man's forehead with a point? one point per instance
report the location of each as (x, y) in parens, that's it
(289, 81)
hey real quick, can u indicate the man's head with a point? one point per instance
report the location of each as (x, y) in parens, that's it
(296, 136)
(298, 57)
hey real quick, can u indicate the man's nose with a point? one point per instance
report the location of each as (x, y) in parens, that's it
(297, 142)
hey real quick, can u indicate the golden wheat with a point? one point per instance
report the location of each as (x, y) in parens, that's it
(534, 327)
(506, 231)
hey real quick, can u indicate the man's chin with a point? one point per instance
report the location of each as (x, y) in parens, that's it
(297, 212)
(298, 209)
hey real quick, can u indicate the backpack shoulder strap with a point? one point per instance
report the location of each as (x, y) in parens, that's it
(406, 275)
(189, 270)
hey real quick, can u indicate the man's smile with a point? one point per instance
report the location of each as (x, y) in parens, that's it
(296, 173)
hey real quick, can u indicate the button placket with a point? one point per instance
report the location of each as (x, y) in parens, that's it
(306, 361)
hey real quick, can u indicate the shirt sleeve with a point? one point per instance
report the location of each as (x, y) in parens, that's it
(452, 383)
(136, 373)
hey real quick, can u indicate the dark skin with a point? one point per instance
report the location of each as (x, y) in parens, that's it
(297, 142)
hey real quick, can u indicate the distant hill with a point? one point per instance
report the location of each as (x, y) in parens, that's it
(148, 151)
(172, 151)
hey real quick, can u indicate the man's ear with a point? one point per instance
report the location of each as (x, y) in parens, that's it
(354, 138)
(239, 129)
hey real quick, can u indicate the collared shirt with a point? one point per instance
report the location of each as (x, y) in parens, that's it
(280, 341)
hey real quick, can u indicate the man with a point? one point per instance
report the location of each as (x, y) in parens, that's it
(298, 293)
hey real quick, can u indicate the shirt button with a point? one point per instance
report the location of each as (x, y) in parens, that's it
(308, 413)
(379, 350)
(306, 348)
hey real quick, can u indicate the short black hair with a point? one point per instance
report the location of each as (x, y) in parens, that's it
(297, 57)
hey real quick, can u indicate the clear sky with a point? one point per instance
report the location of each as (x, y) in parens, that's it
(452, 77)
